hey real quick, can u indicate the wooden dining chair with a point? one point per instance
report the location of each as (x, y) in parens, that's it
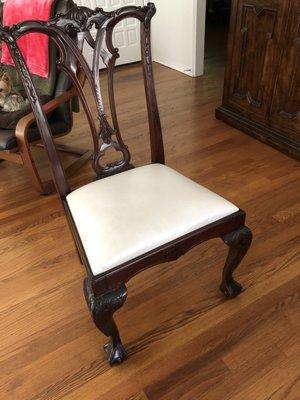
(127, 219)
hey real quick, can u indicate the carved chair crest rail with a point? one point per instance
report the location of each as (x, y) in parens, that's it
(125, 223)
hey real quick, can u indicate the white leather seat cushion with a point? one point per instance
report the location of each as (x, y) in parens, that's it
(126, 215)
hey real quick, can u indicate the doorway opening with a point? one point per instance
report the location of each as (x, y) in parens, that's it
(216, 33)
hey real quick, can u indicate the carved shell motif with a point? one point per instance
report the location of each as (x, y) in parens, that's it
(80, 19)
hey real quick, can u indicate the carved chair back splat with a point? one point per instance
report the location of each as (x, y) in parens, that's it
(61, 30)
(105, 292)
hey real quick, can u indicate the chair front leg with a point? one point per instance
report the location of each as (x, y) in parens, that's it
(102, 307)
(239, 242)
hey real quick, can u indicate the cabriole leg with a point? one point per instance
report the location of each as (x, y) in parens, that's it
(102, 308)
(239, 242)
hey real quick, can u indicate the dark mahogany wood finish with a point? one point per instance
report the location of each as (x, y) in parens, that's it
(262, 81)
(106, 293)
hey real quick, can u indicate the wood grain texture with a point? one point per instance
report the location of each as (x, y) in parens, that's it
(261, 89)
(139, 396)
(183, 339)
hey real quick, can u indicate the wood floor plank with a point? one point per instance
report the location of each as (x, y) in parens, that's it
(184, 340)
(171, 348)
(282, 380)
(139, 396)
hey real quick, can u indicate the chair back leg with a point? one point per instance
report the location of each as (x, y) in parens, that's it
(238, 242)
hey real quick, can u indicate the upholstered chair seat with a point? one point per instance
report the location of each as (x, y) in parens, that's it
(124, 216)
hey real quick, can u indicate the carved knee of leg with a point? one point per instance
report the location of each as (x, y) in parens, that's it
(102, 308)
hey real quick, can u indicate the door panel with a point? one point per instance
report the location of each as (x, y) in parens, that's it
(126, 34)
(254, 54)
(285, 110)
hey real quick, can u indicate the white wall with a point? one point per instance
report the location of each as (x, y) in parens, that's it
(178, 32)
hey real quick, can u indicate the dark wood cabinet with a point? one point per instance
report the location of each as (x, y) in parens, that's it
(262, 81)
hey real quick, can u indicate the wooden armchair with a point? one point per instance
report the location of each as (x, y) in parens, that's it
(18, 131)
(134, 218)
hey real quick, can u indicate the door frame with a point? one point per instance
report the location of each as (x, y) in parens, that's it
(199, 37)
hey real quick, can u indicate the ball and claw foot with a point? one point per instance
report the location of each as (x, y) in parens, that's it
(103, 307)
(115, 355)
(232, 289)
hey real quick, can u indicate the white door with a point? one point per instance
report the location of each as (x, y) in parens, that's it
(126, 34)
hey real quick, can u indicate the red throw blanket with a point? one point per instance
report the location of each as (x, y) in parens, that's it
(34, 46)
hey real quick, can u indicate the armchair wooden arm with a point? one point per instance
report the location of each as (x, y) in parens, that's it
(25, 122)
(24, 155)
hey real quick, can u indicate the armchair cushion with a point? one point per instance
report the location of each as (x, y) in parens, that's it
(8, 139)
(9, 120)
(126, 215)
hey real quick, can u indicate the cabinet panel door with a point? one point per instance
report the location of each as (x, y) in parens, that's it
(255, 51)
(285, 110)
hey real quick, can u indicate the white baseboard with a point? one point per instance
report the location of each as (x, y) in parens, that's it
(181, 68)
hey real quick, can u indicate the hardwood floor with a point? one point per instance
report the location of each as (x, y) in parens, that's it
(185, 341)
